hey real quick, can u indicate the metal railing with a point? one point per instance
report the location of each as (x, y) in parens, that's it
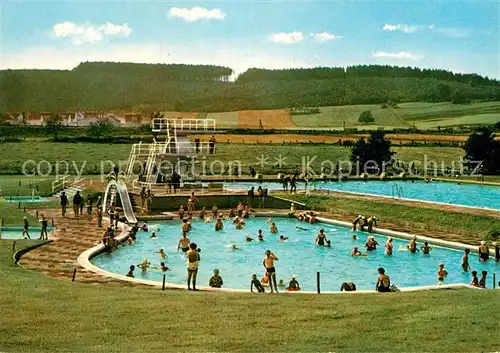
(179, 124)
(59, 183)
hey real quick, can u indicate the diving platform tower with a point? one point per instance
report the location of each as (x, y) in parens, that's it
(171, 150)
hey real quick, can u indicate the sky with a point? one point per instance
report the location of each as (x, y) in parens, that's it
(451, 35)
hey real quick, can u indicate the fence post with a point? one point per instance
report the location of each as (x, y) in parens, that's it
(317, 282)
(14, 246)
(74, 274)
(163, 286)
(494, 281)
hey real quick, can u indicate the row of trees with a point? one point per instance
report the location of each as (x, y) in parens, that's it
(482, 152)
(54, 127)
(387, 71)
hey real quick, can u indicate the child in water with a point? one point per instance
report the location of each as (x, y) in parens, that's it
(426, 248)
(475, 281)
(153, 235)
(260, 237)
(144, 265)
(219, 225)
(465, 261)
(162, 254)
(203, 213)
(131, 271)
(482, 281)
(249, 239)
(280, 283)
(293, 285)
(442, 273)
(216, 280)
(255, 283)
(356, 252)
(274, 229)
(283, 239)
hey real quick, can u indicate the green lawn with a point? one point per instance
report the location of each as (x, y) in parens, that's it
(424, 115)
(42, 314)
(21, 185)
(90, 156)
(481, 226)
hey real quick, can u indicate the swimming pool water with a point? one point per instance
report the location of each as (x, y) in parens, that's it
(445, 192)
(24, 199)
(298, 256)
(16, 232)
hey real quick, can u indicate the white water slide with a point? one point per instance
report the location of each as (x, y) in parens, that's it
(114, 188)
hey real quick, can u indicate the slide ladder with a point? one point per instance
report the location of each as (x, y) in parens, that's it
(118, 188)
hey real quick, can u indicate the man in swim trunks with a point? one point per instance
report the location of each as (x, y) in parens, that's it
(270, 269)
(183, 243)
(412, 247)
(321, 238)
(426, 249)
(260, 237)
(465, 261)
(388, 246)
(193, 262)
(383, 282)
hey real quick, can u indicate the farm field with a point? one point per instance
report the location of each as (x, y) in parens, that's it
(88, 157)
(485, 119)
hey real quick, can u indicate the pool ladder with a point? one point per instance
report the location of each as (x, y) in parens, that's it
(397, 192)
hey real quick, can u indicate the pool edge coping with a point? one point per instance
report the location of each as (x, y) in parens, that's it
(84, 261)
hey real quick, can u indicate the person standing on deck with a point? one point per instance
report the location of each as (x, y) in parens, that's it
(211, 144)
(270, 269)
(143, 199)
(76, 203)
(25, 228)
(43, 232)
(64, 203)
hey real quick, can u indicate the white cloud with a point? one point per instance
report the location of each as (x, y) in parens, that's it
(400, 55)
(196, 13)
(88, 33)
(401, 27)
(324, 36)
(286, 38)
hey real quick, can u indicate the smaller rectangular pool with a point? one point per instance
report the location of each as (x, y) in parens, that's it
(17, 232)
(24, 199)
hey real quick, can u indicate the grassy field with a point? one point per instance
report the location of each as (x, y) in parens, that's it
(480, 226)
(21, 185)
(423, 115)
(88, 157)
(42, 314)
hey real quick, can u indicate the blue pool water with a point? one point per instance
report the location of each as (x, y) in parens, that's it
(444, 192)
(24, 199)
(16, 232)
(298, 256)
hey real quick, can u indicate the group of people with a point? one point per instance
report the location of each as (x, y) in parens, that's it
(78, 204)
(44, 223)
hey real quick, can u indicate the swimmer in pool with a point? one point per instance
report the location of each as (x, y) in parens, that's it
(355, 222)
(162, 268)
(203, 213)
(269, 221)
(280, 283)
(388, 246)
(162, 254)
(442, 273)
(181, 212)
(239, 224)
(300, 228)
(144, 265)
(265, 279)
(354, 237)
(328, 244)
(293, 285)
(484, 252)
(219, 225)
(412, 247)
(183, 243)
(465, 261)
(153, 235)
(256, 283)
(283, 239)
(232, 213)
(260, 237)
(131, 271)
(185, 227)
(274, 229)
(321, 238)
(356, 252)
(249, 239)
(215, 210)
(234, 247)
(426, 249)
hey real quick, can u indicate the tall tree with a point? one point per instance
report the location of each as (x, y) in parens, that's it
(375, 153)
(482, 148)
(54, 126)
(100, 128)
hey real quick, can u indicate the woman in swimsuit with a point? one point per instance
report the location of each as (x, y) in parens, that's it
(426, 249)
(193, 261)
(356, 252)
(321, 238)
(484, 252)
(383, 284)
(270, 269)
(388, 246)
(412, 247)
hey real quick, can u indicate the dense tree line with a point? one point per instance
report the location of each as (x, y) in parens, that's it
(385, 71)
(112, 86)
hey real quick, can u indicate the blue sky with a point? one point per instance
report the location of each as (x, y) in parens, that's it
(458, 36)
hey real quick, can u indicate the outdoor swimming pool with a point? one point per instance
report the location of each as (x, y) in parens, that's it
(16, 232)
(24, 199)
(298, 256)
(444, 192)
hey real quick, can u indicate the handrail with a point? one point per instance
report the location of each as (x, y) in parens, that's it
(179, 124)
(59, 183)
